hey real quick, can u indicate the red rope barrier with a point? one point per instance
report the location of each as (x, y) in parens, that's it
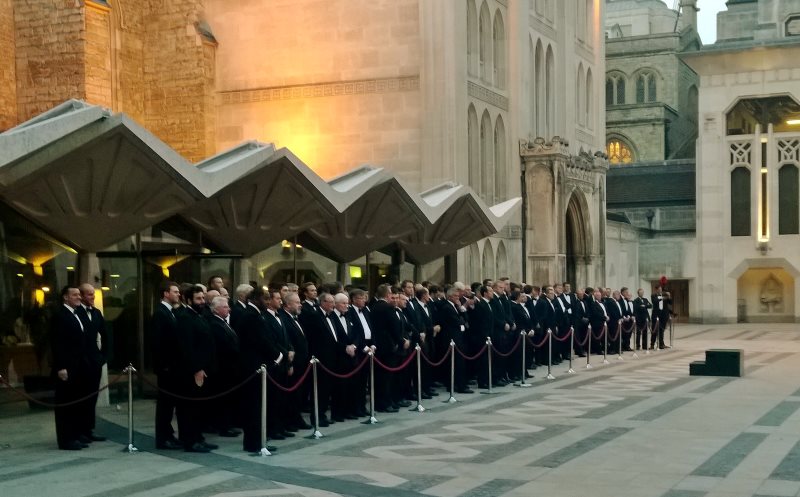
(585, 341)
(439, 363)
(616, 335)
(472, 358)
(508, 354)
(566, 337)
(295, 386)
(26, 396)
(398, 368)
(598, 337)
(210, 397)
(347, 375)
(535, 345)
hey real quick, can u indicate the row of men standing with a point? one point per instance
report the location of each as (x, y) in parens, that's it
(79, 335)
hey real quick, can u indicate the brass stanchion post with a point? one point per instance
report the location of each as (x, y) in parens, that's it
(317, 434)
(589, 347)
(605, 343)
(452, 398)
(130, 448)
(619, 337)
(489, 353)
(550, 355)
(264, 451)
(372, 419)
(522, 382)
(571, 349)
(419, 407)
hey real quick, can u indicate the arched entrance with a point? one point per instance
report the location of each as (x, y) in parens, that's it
(577, 243)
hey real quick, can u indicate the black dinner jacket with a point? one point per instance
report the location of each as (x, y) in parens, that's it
(69, 349)
(96, 325)
(254, 341)
(521, 318)
(482, 322)
(357, 335)
(546, 314)
(226, 344)
(196, 344)
(297, 337)
(451, 322)
(640, 306)
(164, 337)
(387, 329)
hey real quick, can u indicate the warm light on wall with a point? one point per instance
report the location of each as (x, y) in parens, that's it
(165, 271)
(355, 272)
(37, 270)
(38, 296)
(793, 122)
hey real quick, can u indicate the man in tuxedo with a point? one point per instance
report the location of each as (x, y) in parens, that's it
(548, 320)
(481, 325)
(72, 370)
(389, 345)
(297, 337)
(325, 344)
(522, 318)
(598, 318)
(309, 295)
(627, 318)
(197, 362)
(640, 307)
(95, 339)
(359, 315)
(256, 349)
(660, 316)
(428, 336)
(279, 339)
(580, 321)
(350, 345)
(164, 337)
(614, 310)
(226, 343)
(451, 317)
(239, 305)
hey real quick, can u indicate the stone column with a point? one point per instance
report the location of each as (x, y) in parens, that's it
(542, 250)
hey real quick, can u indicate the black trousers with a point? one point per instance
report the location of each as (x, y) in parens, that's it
(91, 385)
(70, 419)
(251, 415)
(165, 409)
(191, 412)
(383, 381)
(641, 334)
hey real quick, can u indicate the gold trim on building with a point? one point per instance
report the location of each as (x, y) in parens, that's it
(341, 88)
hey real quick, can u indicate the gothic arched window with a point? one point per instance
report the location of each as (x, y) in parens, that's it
(615, 89)
(619, 152)
(645, 87)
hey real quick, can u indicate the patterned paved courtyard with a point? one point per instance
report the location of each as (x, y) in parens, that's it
(638, 427)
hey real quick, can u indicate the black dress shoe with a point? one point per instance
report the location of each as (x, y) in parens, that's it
(198, 447)
(169, 444)
(387, 409)
(426, 396)
(209, 446)
(83, 439)
(351, 416)
(362, 412)
(228, 433)
(73, 445)
(324, 423)
(338, 419)
(465, 390)
(287, 434)
(302, 425)
(403, 403)
(432, 393)
(291, 428)
(276, 436)
(95, 438)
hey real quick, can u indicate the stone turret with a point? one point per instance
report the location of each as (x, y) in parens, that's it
(689, 13)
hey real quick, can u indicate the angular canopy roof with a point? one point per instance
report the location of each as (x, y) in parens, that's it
(92, 178)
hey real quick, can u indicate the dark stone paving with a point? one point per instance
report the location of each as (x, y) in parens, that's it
(418, 483)
(789, 467)
(611, 408)
(264, 472)
(778, 414)
(16, 475)
(728, 457)
(660, 410)
(493, 488)
(580, 448)
(156, 483)
(714, 385)
(684, 493)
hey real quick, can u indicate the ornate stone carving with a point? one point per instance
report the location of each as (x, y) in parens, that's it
(539, 146)
(771, 296)
(485, 94)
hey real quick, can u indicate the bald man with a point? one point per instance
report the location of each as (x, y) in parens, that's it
(94, 345)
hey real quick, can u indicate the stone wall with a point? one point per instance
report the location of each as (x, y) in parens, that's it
(127, 62)
(49, 55)
(8, 85)
(97, 56)
(177, 71)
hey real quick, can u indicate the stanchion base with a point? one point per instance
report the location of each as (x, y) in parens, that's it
(620, 358)
(605, 361)
(589, 366)
(522, 385)
(316, 435)
(130, 449)
(418, 408)
(371, 421)
(570, 371)
(635, 355)
(488, 392)
(263, 452)
(550, 377)
(647, 352)
(451, 400)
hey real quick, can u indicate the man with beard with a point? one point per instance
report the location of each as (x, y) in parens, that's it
(198, 361)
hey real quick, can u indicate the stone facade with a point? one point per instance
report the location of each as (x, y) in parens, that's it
(644, 40)
(96, 51)
(8, 78)
(743, 263)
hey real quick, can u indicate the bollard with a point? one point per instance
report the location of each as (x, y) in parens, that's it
(654, 334)
(619, 337)
(550, 355)
(452, 398)
(264, 451)
(644, 338)
(571, 349)
(522, 383)
(635, 336)
(372, 419)
(317, 434)
(589, 347)
(130, 448)
(605, 343)
(419, 407)
(489, 353)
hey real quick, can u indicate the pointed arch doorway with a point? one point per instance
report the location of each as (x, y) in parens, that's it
(577, 240)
